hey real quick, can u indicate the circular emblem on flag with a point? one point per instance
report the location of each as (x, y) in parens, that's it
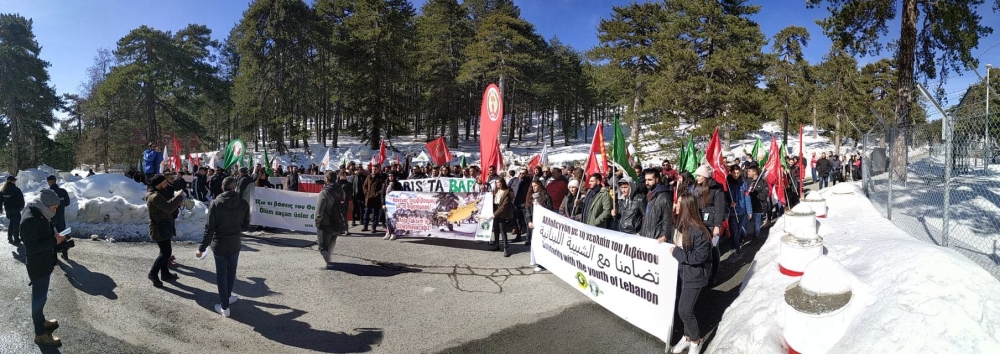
(237, 148)
(493, 103)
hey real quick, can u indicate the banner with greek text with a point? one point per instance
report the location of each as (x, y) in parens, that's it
(283, 209)
(436, 215)
(631, 276)
(442, 185)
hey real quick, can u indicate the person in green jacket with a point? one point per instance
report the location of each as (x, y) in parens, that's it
(162, 204)
(597, 205)
(40, 240)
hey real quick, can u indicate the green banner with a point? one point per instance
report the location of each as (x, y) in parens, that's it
(234, 153)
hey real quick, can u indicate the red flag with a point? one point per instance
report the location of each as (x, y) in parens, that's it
(379, 158)
(439, 151)
(535, 161)
(490, 120)
(713, 155)
(176, 158)
(597, 164)
(775, 177)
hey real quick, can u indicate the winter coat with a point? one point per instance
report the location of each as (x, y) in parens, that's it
(39, 237)
(630, 213)
(215, 185)
(151, 160)
(757, 191)
(63, 201)
(543, 201)
(12, 198)
(695, 265)
(331, 208)
(503, 210)
(567, 207)
(716, 210)
(162, 205)
(823, 167)
(375, 190)
(557, 188)
(659, 216)
(228, 217)
(597, 208)
(348, 188)
(523, 187)
(738, 194)
(293, 182)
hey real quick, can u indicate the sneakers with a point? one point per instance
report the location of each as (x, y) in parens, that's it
(224, 313)
(51, 326)
(392, 237)
(386, 237)
(539, 268)
(48, 339)
(695, 348)
(233, 299)
(683, 344)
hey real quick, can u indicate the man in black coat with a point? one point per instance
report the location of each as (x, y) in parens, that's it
(11, 202)
(40, 241)
(215, 184)
(59, 220)
(658, 222)
(349, 192)
(823, 169)
(520, 190)
(759, 198)
(293, 179)
(228, 217)
(331, 216)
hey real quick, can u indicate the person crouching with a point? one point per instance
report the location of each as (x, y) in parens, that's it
(228, 217)
(40, 240)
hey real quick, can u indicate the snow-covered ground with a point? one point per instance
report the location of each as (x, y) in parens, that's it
(909, 296)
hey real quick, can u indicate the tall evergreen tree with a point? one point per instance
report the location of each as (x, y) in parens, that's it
(786, 75)
(443, 32)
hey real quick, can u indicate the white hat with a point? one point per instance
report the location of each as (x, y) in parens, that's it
(704, 171)
(574, 183)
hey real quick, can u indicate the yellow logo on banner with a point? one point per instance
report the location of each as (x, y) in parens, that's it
(581, 280)
(493, 104)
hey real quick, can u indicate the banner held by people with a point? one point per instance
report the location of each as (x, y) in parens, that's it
(435, 215)
(283, 209)
(441, 185)
(631, 276)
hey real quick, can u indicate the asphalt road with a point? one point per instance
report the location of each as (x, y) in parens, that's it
(404, 296)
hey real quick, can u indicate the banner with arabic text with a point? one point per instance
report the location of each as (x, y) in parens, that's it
(631, 276)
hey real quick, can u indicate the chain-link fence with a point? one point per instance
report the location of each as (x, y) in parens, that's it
(949, 192)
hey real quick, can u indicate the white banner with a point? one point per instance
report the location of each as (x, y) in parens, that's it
(442, 185)
(435, 215)
(631, 276)
(283, 209)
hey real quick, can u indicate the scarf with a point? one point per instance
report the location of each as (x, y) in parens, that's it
(37, 204)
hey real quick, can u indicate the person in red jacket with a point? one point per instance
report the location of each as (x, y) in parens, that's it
(557, 188)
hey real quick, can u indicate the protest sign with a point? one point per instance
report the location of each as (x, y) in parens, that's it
(283, 209)
(435, 215)
(441, 185)
(631, 276)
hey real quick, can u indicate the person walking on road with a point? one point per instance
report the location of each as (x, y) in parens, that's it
(740, 213)
(691, 247)
(228, 218)
(59, 220)
(162, 204)
(331, 216)
(40, 240)
(11, 202)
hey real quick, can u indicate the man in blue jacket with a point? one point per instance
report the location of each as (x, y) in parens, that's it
(741, 210)
(151, 160)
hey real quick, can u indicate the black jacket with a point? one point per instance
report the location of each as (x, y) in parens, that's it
(522, 191)
(39, 239)
(293, 182)
(630, 213)
(348, 188)
(759, 196)
(12, 198)
(823, 167)
(716, 210)
(215, 185)
(243, 183)
(695, 264)
(228, 217)
(201, 184)
(331, 208)
(63, 200)
(659, 214)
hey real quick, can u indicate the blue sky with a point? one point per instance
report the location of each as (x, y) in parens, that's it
(70, 32)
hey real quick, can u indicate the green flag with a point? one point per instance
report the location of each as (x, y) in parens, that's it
(783, 161)
(691, 157)
(757, 147)
(234, 153)
(464, 165)
(267, 164)
(619, 151)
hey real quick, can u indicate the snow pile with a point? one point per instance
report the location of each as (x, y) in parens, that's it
(824, 276)
(908, 296)
(112, 205)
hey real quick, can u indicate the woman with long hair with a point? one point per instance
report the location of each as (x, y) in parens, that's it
(691, 247)
(712, 201)
(538, 197)
(503, 209)
(262, 181)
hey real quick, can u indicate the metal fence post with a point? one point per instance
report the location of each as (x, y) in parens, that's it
(949, 144)
(891, 153)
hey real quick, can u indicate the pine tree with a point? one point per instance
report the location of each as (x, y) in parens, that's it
(443, 31)
(786, 76)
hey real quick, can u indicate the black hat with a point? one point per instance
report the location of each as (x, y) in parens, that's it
(11, 179)
(51, 178)
(156, 180)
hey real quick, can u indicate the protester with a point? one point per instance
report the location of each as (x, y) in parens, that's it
(812, 167)
(293, 179)
(228, 218)
(823, 169)
(502, 212)
(597, 205)
(11, 203)
(374, 197)
(244, 185)
(538, 197)
(215, 184)
(40, 240)
(348, 188)
(392, 185)
(629, 208)
(59, 220)
(658, 220)
(162, 205)
(740, 208)
(669, 173)
(357, 179)
(152, 158)
(331, 216)
(835, 171)
(520, 189)
(572, 205)
(712, 201)
(691, 248)
(200, 185)
(758, 199)
(557, 188)
(262, 181)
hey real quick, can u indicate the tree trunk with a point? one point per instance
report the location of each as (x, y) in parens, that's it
(836, 136)
(905, 60)
(815, 123)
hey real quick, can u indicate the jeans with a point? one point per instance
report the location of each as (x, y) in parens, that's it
(519, 223)
(814, 175)
(685, 308)
(326, 240)
(499, 231)
(160, 265)
(737, 229)
(39, 295)
(823, 182)
(14, 230)
(225, 275)
(758, 218)
(372, 214)
(716, 257)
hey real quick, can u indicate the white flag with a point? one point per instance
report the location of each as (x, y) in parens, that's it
(544, 160)
(165, 159)
(324, 165)
(211, 163)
